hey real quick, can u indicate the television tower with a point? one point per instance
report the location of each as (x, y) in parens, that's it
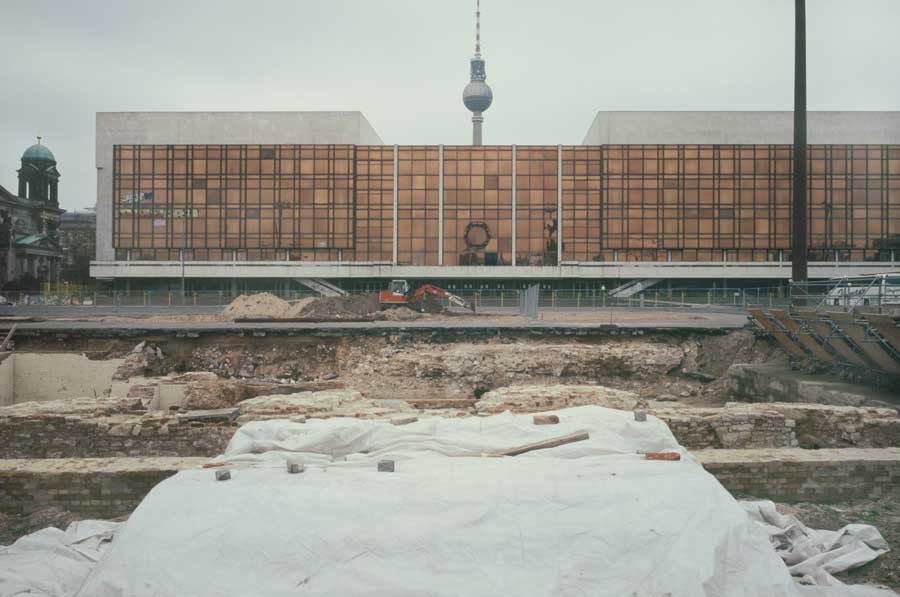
(477, 96)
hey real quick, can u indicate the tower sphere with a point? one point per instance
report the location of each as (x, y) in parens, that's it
(477, 96)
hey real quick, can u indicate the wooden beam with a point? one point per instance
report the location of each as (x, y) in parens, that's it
(543, 445)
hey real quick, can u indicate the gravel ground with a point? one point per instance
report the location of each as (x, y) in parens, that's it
(884, 514)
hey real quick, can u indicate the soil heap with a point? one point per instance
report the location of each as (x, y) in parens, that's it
(263, 305)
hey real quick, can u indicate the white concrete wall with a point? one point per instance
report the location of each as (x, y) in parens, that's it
(741, 127)
(50, 376)
(124, 128)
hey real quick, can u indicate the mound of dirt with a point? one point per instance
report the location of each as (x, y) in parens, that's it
(398, 314)
(296, 308)
(341, 307)
(428, 303)
(263, 305)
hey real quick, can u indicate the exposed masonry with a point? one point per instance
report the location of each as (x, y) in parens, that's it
(112, 487)
(59, 436)
(792, 475)
(92, 488)
(737, 425)
(740, 425)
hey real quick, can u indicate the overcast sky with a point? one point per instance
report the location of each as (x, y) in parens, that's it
(404, 63)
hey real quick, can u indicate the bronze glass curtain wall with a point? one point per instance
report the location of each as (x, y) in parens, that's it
(500, 205)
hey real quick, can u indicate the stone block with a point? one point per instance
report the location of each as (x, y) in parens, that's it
(545, 419)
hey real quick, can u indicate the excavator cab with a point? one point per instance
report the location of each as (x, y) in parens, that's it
(399, 287)
(395, 295)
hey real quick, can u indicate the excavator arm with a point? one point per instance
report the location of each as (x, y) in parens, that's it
(441, 293)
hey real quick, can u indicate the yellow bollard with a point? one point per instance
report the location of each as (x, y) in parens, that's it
(578, 300)
(682, 298)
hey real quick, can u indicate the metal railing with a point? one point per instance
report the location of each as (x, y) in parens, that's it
(848, 293)
(483, 299)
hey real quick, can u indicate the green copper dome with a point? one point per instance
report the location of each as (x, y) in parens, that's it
(39, 152)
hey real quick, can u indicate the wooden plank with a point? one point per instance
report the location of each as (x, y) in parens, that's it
(886, 326)
(543, 445)
(873, 349)
(827, 334)
(786, 342)
(807, 340)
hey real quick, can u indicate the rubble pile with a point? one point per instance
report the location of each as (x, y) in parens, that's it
(299, 361)
(224, 393)
(524, 399)
(514, 363)
(143, 359)
(323, 404)
(397, 314)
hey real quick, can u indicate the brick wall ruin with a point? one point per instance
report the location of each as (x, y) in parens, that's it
(60, 436)
(792, 475)
(92, 488)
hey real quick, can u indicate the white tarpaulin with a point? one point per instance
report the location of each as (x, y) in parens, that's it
(53, 562)
(812, 554)
(587, 518)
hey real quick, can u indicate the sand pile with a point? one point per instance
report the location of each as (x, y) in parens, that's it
(253, 306)
(329, 308)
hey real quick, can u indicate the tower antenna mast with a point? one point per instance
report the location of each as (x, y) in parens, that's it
(477, 96)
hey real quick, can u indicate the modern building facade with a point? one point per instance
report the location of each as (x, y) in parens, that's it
(697, 195)
(29, 222)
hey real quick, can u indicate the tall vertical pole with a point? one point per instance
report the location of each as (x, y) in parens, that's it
(440, 205)
(514, 205)
(559, 207)
(799, 270)
(395, 201)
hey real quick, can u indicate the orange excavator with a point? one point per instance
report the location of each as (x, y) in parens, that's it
(398, 294)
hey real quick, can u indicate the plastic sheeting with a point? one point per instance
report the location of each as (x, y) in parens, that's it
(815, 555)
(589, 518)
(53, 562)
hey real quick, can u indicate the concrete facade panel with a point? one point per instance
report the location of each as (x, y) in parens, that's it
(624, 271)
(123, 128)
(740, 127)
